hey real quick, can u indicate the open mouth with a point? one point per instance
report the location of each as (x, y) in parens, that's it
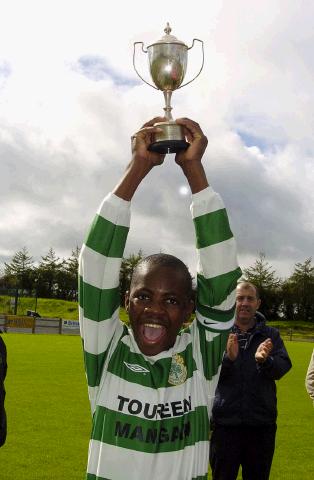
(153, 332)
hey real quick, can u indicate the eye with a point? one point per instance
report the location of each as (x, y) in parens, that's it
(172, 301)
(142, 296)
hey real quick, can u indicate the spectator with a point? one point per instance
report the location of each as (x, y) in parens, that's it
(3, 372)
(245, 406)
(309, 379)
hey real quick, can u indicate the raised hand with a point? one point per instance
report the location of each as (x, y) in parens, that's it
(142, 160)
(141, 140)
(198, 142)
(232, 349)
(263, 350)
(190, 159)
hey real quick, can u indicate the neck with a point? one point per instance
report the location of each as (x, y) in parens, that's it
(245, 326)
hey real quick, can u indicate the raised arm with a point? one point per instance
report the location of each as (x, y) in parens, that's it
(217, 268)
(100, 261)
(142, 160)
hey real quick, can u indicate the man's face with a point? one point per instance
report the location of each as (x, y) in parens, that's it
(246, 305)
(157, 305)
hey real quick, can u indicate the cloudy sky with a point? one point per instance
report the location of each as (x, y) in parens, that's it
(70, 100)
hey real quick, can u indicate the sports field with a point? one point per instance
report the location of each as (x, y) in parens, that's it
(49, 418)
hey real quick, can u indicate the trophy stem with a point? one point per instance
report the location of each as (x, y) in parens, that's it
(168, 107)
(171, 138)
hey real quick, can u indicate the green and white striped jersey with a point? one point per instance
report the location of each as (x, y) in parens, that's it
(151, 414)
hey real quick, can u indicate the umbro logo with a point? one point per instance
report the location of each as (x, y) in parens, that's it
(136, 368)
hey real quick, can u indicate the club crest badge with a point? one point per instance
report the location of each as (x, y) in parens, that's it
(178, 371)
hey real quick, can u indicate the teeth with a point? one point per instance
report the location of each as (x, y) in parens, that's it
(152, 325)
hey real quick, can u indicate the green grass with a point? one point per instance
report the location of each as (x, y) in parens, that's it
(294, 330)
(47, 407)
(49, 416)
(294, 457)
(46, 307)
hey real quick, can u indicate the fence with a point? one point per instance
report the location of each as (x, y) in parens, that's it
(296, 335)
(28, 324)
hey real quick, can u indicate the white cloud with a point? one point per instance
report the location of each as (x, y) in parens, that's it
(69, 102)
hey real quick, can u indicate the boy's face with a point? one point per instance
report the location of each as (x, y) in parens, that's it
(158, 305)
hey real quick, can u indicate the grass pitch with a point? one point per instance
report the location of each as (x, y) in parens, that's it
(294, 454)
(47, 408)
(49, 417)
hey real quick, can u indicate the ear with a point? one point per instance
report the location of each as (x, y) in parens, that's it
(258, 303)
(190, 309)
(126, 301)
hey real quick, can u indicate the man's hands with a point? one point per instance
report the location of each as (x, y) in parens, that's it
(232, 349)
(263, 351)
(261, 354)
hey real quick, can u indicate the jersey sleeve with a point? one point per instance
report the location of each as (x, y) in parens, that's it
(217, 275)
(99, 297)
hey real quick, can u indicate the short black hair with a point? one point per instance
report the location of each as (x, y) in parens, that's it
(168, 261)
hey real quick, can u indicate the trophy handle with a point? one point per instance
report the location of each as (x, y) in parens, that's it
(189, 48)
(145, 51)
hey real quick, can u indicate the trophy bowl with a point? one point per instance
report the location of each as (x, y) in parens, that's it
(167, 60)
(167, 65)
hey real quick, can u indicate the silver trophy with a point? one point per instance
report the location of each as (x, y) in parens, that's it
(167, 65)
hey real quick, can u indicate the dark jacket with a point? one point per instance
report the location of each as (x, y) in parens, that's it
(246, 391)
(3, 372)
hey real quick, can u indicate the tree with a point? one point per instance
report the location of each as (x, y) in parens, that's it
(288, 300)
(302, 284)
(126, 271)
(48, 273)
(72, 263)
(264, 277)
(68, 277)
(19, 272)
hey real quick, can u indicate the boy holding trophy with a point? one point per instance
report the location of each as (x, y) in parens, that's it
(151, 386)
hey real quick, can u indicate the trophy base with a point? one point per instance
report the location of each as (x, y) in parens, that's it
(168, 146)
(170, 139)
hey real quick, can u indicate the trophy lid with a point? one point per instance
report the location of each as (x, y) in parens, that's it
(168, 38)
